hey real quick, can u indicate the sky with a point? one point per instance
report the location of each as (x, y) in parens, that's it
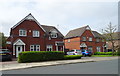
(65, 15)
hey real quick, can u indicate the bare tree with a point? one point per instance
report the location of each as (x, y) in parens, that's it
(108, 33)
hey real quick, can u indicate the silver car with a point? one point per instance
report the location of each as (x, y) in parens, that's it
(74, 52)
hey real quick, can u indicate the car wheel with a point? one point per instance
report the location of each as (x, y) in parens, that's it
(73, 54)
(84, 55)
(89, 55)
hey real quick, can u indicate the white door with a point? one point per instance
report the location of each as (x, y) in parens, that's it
(18, 50)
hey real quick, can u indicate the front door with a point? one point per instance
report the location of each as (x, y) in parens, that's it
(18, 50)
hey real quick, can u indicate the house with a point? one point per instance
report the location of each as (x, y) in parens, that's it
(84, 38)
(30, 35)
(116, 37)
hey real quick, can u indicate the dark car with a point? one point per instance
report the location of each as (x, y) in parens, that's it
(5, 55)
(86, 53)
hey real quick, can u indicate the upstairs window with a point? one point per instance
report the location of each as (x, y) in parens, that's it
(90, 38)
(83, 38)
(36, 33)
(53, 35)
(97, 40)
(68, 40)
(22, 32)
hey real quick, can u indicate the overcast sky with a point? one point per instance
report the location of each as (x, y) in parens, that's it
(67, 14)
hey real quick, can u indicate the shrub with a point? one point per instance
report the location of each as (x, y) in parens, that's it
(35, 56)
(103, 53)
(72, 57)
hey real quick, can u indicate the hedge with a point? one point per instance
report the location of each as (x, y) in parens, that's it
(36, 56)
(106, 53)
(72, 57)
(103, 53)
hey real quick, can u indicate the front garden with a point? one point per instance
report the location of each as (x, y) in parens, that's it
(105, 54)
(38, 56)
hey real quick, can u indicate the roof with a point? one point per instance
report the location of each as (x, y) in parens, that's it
(79, 31)
(96, 34)
(76, 32)
(115, 35)
(49, 29)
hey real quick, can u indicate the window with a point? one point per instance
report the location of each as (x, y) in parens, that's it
(49, 48)
(90, 38)
(54, 35)
(34, 47)
(22, 32)
(103, 40)
(90, 48)
(68, 40)
(98, 49)
(83, 38)
(36, 33)
(97, 40)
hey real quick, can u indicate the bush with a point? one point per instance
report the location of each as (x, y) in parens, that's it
(103, 53)
(72, 57)
(36, 56)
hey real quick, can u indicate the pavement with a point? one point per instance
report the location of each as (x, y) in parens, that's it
(10, 65)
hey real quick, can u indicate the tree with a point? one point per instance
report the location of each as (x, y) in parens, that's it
(108, 33)
(2, 40)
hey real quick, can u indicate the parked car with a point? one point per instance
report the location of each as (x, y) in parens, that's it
(74, 52)
(86, 53)
(5, 55)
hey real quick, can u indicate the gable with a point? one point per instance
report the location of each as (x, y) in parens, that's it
(19, 42)
(28, 17)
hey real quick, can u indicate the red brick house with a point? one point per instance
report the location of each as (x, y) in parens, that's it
(84, 38)
(30, 35)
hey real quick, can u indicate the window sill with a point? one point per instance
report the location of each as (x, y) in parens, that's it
(54, 37)
(22, 35)
(36, 37)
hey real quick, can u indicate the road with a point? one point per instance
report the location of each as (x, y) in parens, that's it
(100, 67)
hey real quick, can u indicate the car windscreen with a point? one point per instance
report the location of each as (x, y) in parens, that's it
(4, 51)
(78, 50)
(71, 51)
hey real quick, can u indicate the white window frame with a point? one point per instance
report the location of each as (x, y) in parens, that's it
(98, 48)
(22, 32)
(83, 38)
(53, 35)
(68, 40)
(36, 33)
(90, 39)
(34, 47)
(97, 40)
(49, 47)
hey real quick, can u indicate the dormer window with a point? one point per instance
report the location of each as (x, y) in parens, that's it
(53, 35)
(22, 32)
